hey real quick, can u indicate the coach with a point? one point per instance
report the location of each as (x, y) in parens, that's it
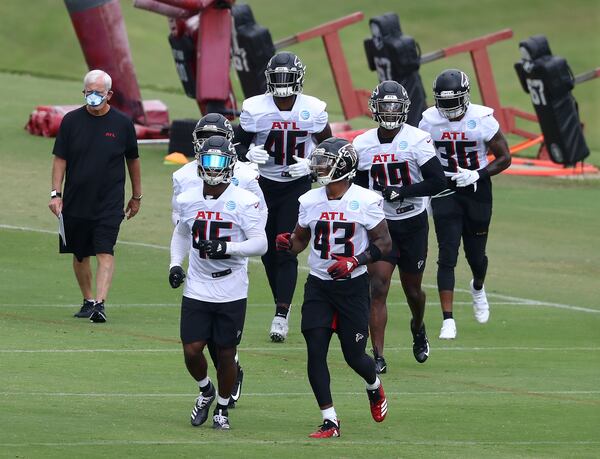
(90, 150)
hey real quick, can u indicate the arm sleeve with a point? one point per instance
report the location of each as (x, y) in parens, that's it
(362, 178)
(174, 207)
(180, 245)
(256, 240)
(242, 140)
(131, 149)
(433, 182)
(255, 245)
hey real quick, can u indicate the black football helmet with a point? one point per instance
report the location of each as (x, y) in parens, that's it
(285, 75)
(216, 159)
(451, 93)
(209, 125)
(389, 104)
(333, 160)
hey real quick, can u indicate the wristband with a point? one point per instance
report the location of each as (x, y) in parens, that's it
(138, 198)
(55, 194)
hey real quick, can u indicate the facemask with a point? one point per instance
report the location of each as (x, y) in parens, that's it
(94, 99)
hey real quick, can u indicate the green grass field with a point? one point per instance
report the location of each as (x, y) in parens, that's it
(524, 385)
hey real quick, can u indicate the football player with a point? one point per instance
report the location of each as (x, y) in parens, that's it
(345, 227)
(219, 226)
(463, 133)
(284, 126)
(399, 162)
(187, 177)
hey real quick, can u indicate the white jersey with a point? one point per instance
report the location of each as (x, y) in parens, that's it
(229, 218)
(338, 226)
(283, 134)
(461, 143)
(244, 176)
(397, 163)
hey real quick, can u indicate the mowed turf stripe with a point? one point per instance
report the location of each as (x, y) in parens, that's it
(295, 394)
(283, 348)
(525, 301)
(178, 305)
(338, 442)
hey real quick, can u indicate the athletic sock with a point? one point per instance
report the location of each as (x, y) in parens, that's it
(204, 385)
(447, 314)
(90, 300)
(329, 413)
(476, 287)
(280, 311)
(222, 405)
(375, 385)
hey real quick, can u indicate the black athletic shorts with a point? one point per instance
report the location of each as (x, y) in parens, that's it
(86, 238)
(221, 323)
(282, 201)
(340, 305)
(473, 208)
(409, 243)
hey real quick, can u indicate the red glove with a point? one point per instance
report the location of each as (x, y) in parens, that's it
(283, 241)
(342, 267)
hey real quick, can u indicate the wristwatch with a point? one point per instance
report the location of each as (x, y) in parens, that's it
(138, 198)
(55, 194)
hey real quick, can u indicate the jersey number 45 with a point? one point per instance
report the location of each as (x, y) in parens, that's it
(282, 145)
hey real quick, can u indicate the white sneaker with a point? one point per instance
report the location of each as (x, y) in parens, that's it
(279, 329)
(481, 308)
(448, 330)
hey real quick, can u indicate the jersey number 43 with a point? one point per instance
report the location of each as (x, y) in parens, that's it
(323, 229)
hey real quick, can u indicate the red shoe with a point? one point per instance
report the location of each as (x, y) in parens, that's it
(378, 403)
(327, 430)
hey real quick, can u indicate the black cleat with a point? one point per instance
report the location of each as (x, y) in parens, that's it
(98, 314)
(236, 393)
(202, 405)
(221, 420)
(420, 343)
(86, 310)
(380, 364)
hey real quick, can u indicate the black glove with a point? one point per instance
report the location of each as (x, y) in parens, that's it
(176, 276)
(214, 249)
(392, 193)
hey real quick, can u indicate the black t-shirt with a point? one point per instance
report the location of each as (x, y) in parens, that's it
(95, 148)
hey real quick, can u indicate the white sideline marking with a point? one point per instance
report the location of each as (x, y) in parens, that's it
(296, 394)
(276, 348)
(524, 301)
(301, 441)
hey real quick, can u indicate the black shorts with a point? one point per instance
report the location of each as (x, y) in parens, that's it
(409, 243)
(221, 323)
(282, 201)
(86, 238)
(340, 305)
(473, 208)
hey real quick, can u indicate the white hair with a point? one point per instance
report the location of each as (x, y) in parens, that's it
(93, 75)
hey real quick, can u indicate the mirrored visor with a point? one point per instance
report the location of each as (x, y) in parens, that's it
(214, 161)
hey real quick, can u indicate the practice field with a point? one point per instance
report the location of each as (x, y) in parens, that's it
(523, 385)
